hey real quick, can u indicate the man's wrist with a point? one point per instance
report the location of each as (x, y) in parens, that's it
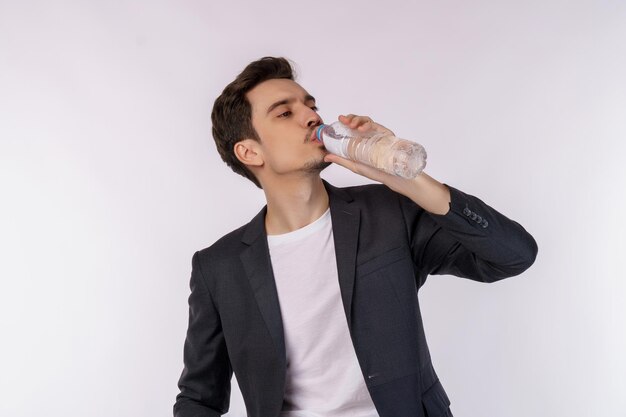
(424, 191)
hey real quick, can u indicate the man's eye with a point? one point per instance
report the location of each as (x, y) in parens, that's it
(285, 113)
(288, 112)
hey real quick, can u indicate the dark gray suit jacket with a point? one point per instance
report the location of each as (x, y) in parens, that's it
(386, 246)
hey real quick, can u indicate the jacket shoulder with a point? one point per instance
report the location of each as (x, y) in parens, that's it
(223, 247)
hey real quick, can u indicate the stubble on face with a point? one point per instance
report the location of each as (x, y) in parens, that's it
(315, 166)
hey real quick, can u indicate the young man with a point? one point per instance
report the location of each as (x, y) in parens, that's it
(313, 303)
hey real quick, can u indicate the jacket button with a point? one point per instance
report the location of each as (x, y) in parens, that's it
(484, 224)
(474, 216)
(467, 211)
(479, 219)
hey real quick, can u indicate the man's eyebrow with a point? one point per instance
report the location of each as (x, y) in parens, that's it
(308, 97)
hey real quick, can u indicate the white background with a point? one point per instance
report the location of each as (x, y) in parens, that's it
(110, 181)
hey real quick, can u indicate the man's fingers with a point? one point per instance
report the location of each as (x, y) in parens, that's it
(358, 168)
(346, 119)
(366, 126)
(359, 120)
(346, 163)
(355, 121)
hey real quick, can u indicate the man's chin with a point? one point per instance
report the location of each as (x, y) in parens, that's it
(316, 166)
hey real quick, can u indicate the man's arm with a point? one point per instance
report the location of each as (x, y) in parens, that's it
(451, 232)
(458, 234)
(205, 381)
(425, 191)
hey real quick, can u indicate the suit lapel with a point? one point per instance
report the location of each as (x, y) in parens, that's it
(345, 217)
(257, 264)
(256, 261)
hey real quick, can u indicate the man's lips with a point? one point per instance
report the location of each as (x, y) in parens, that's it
(313, 136)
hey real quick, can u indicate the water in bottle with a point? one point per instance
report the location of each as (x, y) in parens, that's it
(384, 151)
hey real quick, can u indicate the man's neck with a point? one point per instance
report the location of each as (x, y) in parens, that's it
(293, 205)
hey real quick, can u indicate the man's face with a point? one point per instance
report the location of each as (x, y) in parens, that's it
(284, 115)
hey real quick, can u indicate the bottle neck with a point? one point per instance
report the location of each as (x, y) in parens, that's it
(318, 132)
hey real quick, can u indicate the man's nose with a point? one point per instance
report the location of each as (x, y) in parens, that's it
(312, 118)
(314, 122)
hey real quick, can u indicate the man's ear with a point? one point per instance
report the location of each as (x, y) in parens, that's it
(248, 151)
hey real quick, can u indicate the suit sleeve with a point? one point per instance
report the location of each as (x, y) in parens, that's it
(471, 241)
(205, 381)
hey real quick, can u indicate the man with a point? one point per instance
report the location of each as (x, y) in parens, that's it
(313, 304)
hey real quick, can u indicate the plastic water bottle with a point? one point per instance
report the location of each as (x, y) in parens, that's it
(384, 151)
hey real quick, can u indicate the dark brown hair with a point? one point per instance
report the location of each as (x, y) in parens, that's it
(232, 112)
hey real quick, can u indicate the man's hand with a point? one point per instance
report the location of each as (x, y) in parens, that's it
(424, 190)
(362, 124)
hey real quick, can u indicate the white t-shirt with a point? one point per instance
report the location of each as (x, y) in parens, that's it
(323, 375)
